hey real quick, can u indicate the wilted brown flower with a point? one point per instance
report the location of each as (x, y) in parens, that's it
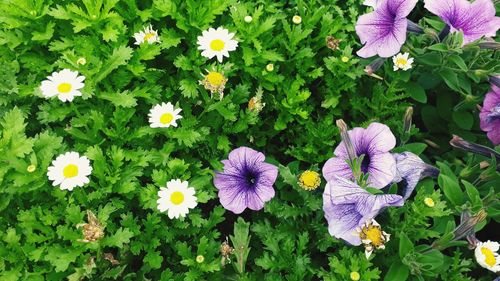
(332, 43)
(226, 251)
(93, 230)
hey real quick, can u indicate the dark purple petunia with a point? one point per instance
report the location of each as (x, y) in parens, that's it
(246, 182)
(383, 31)
(410, 169)
(347, 207)
(475, 20)
(490, 115)
(374, 142)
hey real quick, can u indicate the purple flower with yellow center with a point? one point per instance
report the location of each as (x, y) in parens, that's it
(374, 143)
(383, 31)
(475, 20)
(246, 181)
(348, 208)
(490, 115)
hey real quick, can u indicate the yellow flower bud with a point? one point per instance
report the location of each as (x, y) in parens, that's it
(270, 67)
(200, 259)
(297, 19)
(429, 202)
(355, 276)
(248, 19)
(31, 168)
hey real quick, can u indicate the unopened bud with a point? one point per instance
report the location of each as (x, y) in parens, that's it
(475, 148)
(490, 45)
(344, 135)
(407, 120)
(413, 27)
(495, 80)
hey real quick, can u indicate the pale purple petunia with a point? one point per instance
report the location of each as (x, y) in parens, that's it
(383, 31)
(410, 169)
(475, 20)
(374, 142)
(490, 115)
(347, 207)
(246, 181)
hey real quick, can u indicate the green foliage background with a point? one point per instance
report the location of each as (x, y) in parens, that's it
(310, 87)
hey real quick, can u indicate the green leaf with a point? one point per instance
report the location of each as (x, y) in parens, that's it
(405, 245)
(473, 194)
(60, 257)
(154, 259)
(241, 242)
(463, 119)
(450, 78)
(458, 61)
(440, 47)
(121, 237)
(451, 189)
(46, 34)
(416, 92)
(397, 272)
(120, 56)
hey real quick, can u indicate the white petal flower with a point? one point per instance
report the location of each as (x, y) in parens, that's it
(176, 199)
(164, 115)
(216, 42)
(371, 3)
(487, 255)
(64, 84)
(69, 170)
(402, 61)
(148, 35)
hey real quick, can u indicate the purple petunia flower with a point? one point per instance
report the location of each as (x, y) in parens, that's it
(347, 207)
(246, 182)
(490, 115)
(383, 31)
(410, 169)
(475, 19)
(374, 142)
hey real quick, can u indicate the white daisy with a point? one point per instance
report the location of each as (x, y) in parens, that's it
(69, 170)
(164, 115)
(64, 84)
(402, 61)
(216, 42)
(487, 256)
(177, 198)
(148, 35)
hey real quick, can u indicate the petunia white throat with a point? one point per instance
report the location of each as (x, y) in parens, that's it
(176, 199)
(402, 61)
(216, 43)
(64, 84)
(69, 170)
(164, 115)
(148, 35)
(487, 255)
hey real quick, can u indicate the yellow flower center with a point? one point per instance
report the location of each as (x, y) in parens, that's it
(64, 88)
(200, 259)
(166, 118)
(345, 59)
(374, 234)
(355, 276)
(309, 180)
(429, 202)
(148, 36)
(489, 256)
(70, 171)
(31, 168)
(215, 78)
(177, 197)
(217, 45)
(401, 62)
